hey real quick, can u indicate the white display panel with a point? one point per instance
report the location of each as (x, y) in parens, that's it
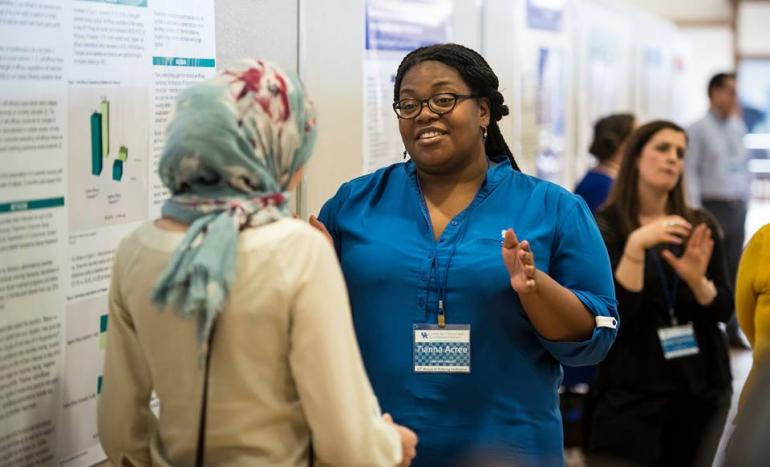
(604, 68)
(87, 88)
(393, 28)
(544, 52)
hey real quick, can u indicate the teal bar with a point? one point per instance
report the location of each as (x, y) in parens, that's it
(96, 144)
(139, 3)
(117, 170)
(184, 61)
(17, 206)
(99, 382)
(103, 323)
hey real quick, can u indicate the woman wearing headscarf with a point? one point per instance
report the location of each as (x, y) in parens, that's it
(234, 313)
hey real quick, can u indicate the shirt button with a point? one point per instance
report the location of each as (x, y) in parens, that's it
(454, 222)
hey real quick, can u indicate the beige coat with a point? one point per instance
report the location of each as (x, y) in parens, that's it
(285, 361)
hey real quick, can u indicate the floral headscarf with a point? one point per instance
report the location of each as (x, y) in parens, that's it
(232, 147)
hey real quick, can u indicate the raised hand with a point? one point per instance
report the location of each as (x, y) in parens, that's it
(520, 262)
(669, 229)
(692, 265)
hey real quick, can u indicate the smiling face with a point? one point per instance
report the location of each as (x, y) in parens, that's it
(661, 161)
(442, 143)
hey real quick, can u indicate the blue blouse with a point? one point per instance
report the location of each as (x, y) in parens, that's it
(507, 408)
(594, 188)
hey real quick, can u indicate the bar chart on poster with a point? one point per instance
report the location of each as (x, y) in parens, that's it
(100, 143)
(108, 156)
(88, 87)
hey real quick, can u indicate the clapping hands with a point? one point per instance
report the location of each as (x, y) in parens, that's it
(692, 265)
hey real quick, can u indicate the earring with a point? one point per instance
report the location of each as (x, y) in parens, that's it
(483, 134)
(405, 154)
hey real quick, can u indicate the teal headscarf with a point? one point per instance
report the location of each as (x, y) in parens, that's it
(232, 147)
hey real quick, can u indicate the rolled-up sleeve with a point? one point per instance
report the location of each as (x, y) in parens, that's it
(580, 262)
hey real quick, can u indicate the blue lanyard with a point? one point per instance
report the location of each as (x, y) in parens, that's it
(442, 286)
(669, 295)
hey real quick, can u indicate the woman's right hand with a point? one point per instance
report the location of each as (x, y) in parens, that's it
(408, 441)
(668, 229)
(321, 228)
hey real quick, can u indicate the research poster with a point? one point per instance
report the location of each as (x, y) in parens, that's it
(393, 28)
(86, 90)
(655, 42)
(544, 52)
(604, 67)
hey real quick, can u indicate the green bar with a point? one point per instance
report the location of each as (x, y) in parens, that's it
(184, 61)
(104, 109)
(16, 206)
(123, 153)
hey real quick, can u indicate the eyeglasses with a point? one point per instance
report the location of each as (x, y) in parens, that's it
(439, 104)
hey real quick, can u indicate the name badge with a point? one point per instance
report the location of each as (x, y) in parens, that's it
(442, 350)
(678, 341)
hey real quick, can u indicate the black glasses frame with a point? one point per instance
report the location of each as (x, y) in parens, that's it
(423, 102)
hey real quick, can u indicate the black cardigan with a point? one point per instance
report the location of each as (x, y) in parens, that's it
(635, 363)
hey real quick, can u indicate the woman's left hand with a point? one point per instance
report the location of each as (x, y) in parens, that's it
(692, 265)
(520, 262)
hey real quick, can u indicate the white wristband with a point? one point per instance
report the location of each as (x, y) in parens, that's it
(606, 322)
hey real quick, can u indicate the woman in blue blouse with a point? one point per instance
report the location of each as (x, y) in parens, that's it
(462, 332)
(610, 135)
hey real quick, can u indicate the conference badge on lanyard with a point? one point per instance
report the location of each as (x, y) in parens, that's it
(442, 349)
(676, 340)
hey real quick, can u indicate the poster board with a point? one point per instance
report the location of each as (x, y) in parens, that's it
(87, 88)
(393, 28)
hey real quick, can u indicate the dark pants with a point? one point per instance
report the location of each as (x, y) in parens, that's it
(731, 216)
(657, 430)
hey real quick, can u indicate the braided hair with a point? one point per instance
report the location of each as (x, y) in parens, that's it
(478, 75)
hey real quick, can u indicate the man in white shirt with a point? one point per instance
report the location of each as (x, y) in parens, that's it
(717, 174)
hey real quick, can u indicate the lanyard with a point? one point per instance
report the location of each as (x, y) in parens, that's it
(442, 285)
(668, 294)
